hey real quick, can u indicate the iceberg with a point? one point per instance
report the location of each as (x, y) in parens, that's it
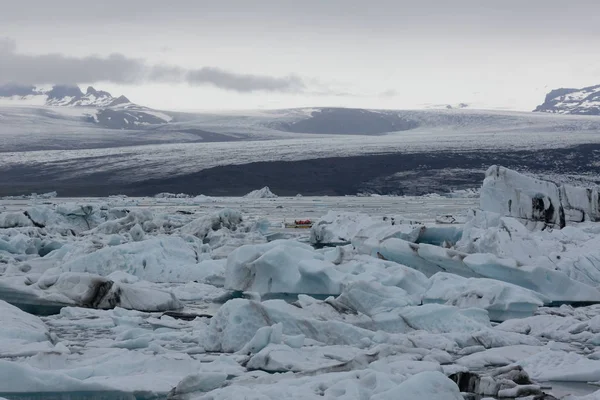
(288, 266)
(158, 259)
(50, 292)
(264, 193)
(536, 201)
(339, 228)
(554, 285)
(502, 300)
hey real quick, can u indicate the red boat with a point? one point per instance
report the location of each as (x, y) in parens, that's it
(299, 223)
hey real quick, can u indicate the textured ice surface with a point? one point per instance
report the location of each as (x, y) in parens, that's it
(512, 194)
(401, 310)
(502, 300)
(264, 193)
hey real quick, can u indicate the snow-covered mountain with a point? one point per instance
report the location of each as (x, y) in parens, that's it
(584, 101)
(94, 106)
(59, 95)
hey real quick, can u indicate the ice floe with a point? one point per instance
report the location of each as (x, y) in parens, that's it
(185, 298)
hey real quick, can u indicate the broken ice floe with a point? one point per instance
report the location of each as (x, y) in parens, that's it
(401, 309)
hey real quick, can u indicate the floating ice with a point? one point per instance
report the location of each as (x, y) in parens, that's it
(53, 291)
(512, 194)
(401, 309)
(159, 259)
(429, 259)
(502, 300)
(264, 193)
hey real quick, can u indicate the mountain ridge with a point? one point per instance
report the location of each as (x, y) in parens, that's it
(585, 101)
(98, 106)
(62, 95)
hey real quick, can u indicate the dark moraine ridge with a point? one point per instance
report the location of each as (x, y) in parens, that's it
(349, 121)
(409, 174)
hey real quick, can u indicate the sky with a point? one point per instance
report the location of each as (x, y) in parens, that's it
(242, 54)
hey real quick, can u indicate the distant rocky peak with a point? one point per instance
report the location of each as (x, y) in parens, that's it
(120, 100)
(584, 101)
(62, 91)
(99, 93)
(91, 90)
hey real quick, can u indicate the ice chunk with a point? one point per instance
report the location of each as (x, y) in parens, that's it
(224, 231)
(283, 358)
(333, 322)
(80, 217)
(53, 291)
(429, 259)
(499, 356)
(336, 228)
(159, 259)
(263, 337)
(23, 334)
(166, 195)
(21, 326)
(372, 298)
(431, 385)
(137, 233)
(202, 382)
(502, 300)
(373, 235)
(264, 193)
(238, 320)
(558, 365)
(17, 377)
(14, 219)
(339, 227)
(425, 258)
(287, 266)
(281, 266)
(512, 194)
(553, 284)
(200, 227)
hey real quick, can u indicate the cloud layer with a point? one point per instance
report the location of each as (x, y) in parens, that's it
(120, 69)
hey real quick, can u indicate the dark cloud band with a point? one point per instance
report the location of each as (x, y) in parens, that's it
(118, 68)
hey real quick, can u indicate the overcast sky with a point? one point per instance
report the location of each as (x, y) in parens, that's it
(229, 54)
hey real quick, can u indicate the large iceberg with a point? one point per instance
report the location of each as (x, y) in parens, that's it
(532, 200)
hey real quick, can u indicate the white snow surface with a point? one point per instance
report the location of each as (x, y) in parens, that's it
(194, 299)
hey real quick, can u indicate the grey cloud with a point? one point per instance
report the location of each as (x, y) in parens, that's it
(529, 16)
(243, 83)
(389, 93)
(118, 68)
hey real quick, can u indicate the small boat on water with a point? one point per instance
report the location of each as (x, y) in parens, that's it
(298, 224)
